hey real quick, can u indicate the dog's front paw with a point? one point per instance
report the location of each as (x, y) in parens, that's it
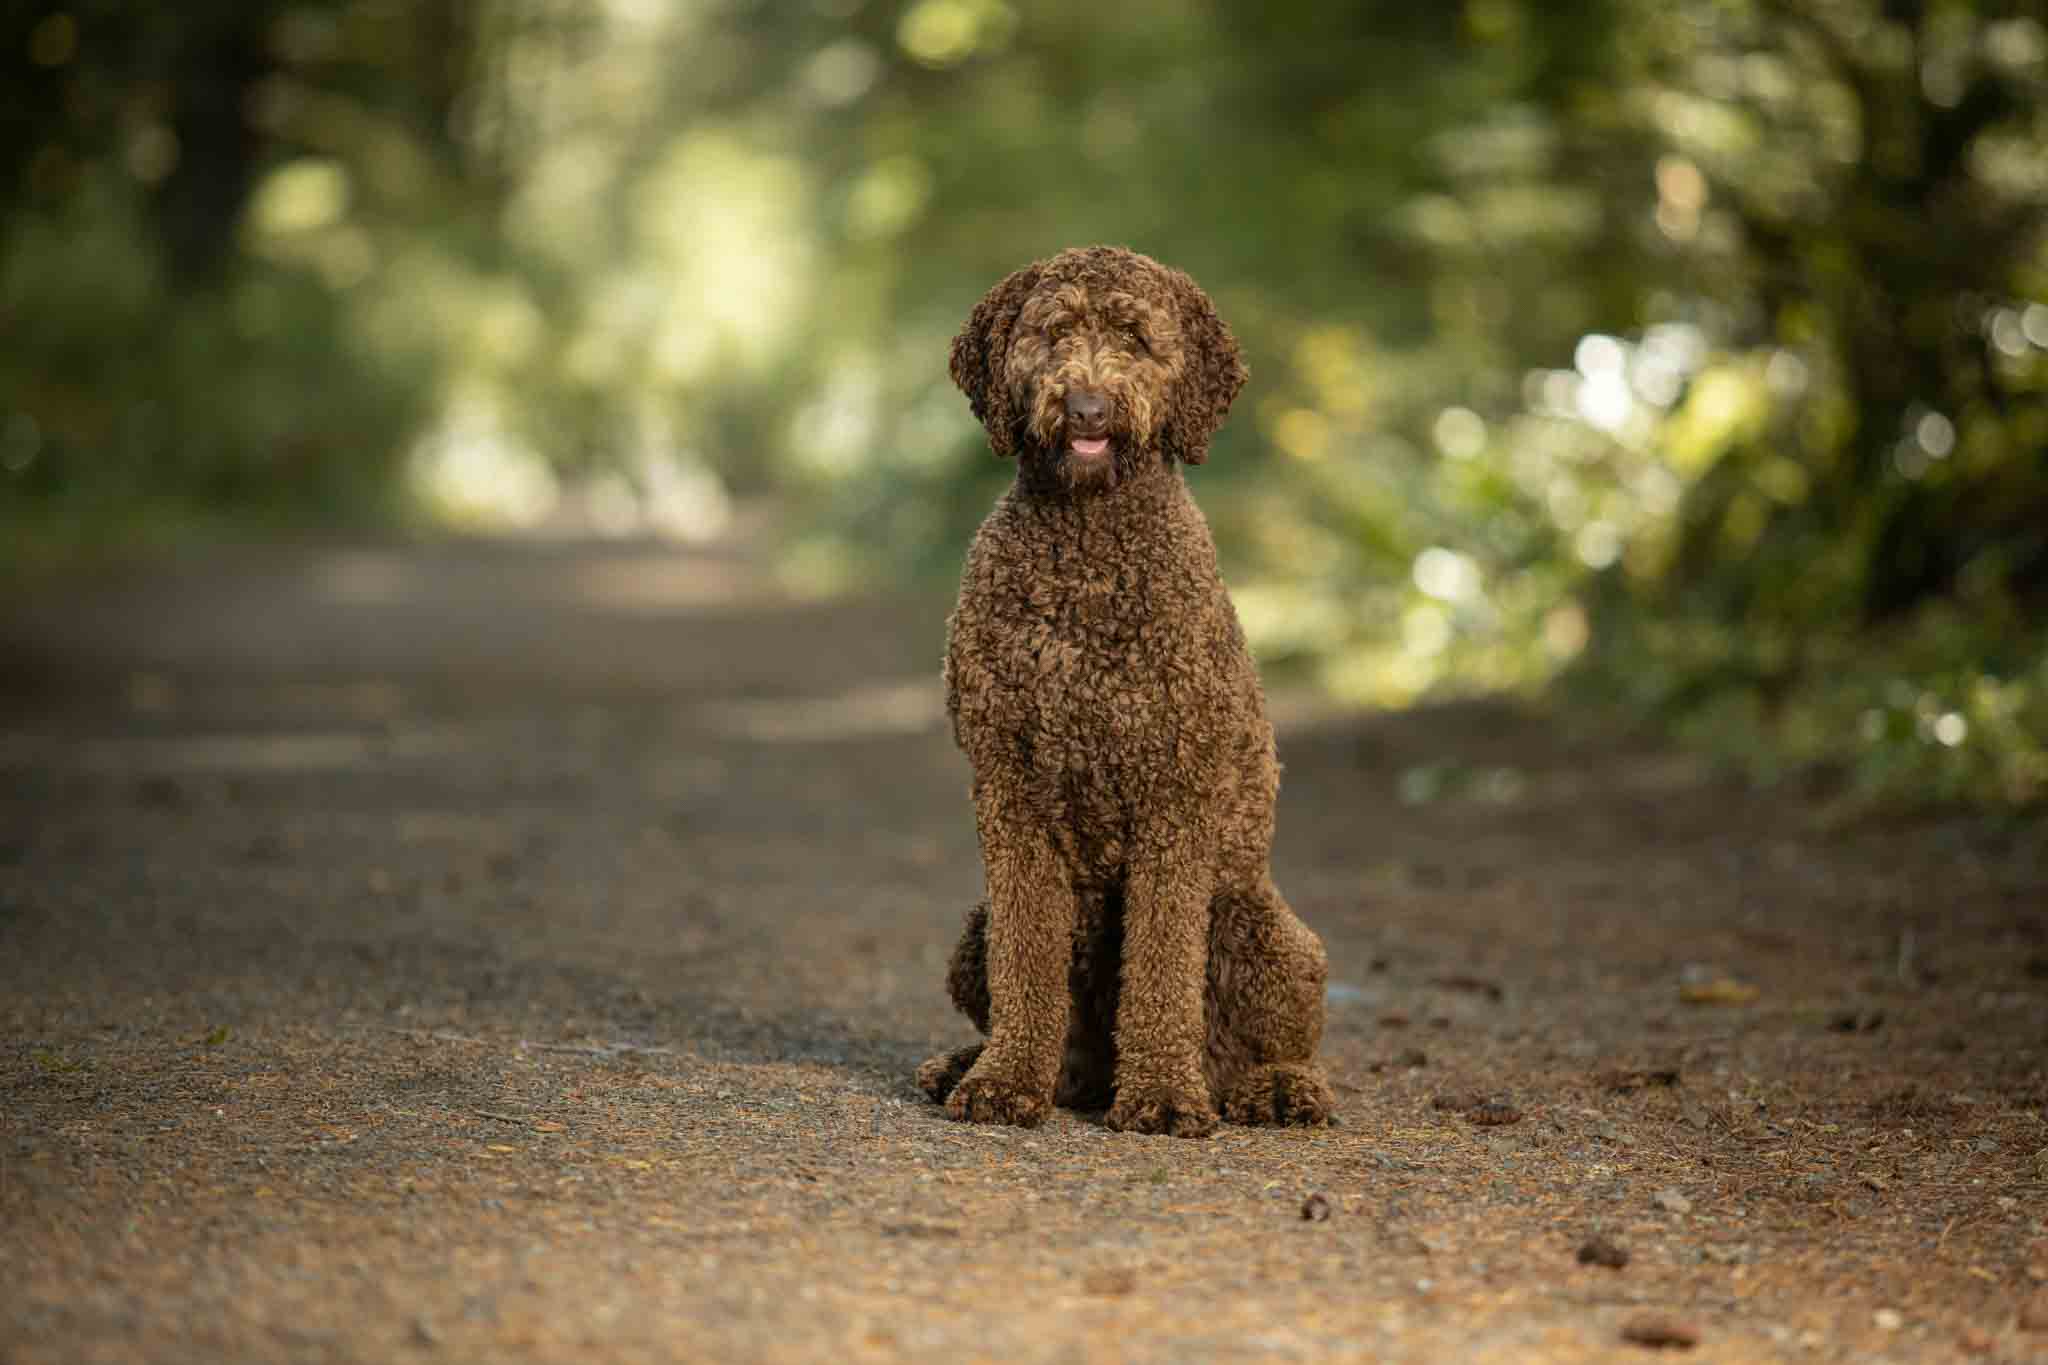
(983, 1096)
(1162, 1111)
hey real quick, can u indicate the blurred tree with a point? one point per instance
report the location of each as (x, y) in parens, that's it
(1696, 348)
(164, 359)
(1850, 194)
(159, 92)
(1896, 257)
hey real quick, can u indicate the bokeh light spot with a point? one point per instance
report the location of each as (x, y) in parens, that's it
(1459, 433)
(301, 196)
(54, 41)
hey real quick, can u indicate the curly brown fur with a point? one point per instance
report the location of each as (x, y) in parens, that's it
(1133, 951)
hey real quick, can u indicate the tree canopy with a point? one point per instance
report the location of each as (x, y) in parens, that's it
(1694, 353)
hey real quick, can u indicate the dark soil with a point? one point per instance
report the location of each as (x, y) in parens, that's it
(523, 953)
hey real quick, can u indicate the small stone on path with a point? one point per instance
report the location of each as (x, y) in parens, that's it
(1660, 1331)
(1598, 1250)
(1110, 1282)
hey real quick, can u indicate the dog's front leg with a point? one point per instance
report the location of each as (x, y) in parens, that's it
(1159, 1021)
(1031, 911)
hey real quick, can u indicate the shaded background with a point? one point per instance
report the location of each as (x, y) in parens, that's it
(1691, 355)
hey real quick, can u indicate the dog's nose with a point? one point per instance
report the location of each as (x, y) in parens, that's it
(1087, 410)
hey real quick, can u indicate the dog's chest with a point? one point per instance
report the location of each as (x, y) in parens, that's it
(1093, 662)
(1108, 671)
(1102, 662)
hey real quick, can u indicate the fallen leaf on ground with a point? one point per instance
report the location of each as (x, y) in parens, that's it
(1720, 991)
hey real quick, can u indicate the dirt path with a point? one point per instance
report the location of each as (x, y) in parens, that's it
(513, 954)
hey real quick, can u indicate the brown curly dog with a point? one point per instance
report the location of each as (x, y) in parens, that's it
(1133, 951)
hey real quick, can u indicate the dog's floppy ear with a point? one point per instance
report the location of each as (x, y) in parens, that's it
(1212, 373)
(978, 352)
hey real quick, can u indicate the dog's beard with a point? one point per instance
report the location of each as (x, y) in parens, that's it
(1076, 467)
(1081, 473)
(1054, 465)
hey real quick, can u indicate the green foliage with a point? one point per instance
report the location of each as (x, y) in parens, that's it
(1695, 352)
(129, 405)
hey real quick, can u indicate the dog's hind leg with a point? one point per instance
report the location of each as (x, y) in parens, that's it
(1266, 977)
(967, 983)
(1088, 1072)
(938, 1075)
(967, 972)
(1088, 1076)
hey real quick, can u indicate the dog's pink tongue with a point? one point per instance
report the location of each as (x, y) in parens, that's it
(1090, 445)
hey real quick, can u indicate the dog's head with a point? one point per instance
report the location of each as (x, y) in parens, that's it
(1097, 362)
